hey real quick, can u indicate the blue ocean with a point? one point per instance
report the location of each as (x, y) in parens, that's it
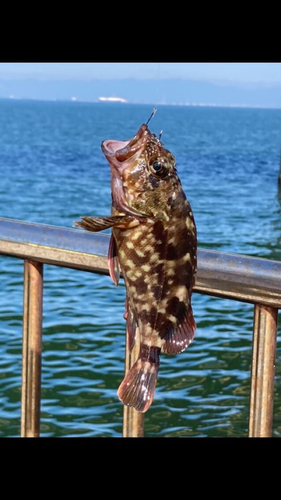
(52, 171)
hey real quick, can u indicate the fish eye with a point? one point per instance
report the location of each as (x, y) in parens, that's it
(158, 168)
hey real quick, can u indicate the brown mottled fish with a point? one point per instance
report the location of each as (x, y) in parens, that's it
(154, 243)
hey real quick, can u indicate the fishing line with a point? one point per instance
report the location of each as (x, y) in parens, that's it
(158, 81)
(158, 78)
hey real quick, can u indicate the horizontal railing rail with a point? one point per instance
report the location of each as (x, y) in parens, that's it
(237, 277)
(227, 275)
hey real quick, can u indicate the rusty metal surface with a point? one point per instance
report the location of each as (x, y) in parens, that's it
(263, 370)
(237, 277)
(32, 349)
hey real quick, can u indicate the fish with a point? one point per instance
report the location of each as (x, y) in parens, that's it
(154, 244)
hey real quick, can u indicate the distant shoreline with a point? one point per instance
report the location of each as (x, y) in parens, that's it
(126, 103)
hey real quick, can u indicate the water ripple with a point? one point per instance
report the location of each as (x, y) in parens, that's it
(52, 171)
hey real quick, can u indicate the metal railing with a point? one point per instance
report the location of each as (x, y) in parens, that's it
(247, 279)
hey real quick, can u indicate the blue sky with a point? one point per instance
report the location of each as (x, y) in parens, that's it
(219, 73)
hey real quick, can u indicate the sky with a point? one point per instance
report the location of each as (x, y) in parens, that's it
(220, 84)
(218, 73)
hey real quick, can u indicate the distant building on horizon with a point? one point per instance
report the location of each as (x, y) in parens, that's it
(112, 99)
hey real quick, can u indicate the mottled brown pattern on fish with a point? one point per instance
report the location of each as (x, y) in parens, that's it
(164, 283)
(154, 242)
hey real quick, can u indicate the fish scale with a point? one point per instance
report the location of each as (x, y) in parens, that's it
(154, 243)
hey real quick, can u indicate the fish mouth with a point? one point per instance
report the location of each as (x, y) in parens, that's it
(110, 147)
(119, 153)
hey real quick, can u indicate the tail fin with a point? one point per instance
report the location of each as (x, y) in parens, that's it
(137, 388)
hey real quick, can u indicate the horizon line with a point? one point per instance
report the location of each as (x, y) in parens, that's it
(76, 100)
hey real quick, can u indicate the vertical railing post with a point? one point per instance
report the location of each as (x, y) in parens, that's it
(132, 419)
(263, 370)
(32, 349)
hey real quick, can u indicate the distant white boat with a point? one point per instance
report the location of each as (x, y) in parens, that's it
(112, 99)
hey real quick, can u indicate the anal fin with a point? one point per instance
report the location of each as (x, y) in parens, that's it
(178, 340)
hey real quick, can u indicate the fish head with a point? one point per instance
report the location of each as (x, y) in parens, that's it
(144, 178)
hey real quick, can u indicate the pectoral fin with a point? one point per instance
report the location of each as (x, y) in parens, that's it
(113, 262)
(96, 224)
